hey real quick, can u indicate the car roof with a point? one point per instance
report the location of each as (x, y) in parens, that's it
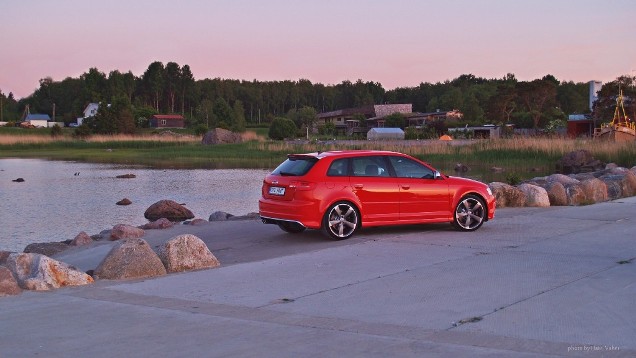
(345, 153)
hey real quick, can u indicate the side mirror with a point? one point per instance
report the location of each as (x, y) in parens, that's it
(437, 175)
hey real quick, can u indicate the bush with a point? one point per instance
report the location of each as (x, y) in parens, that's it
(56, 131)
(282, 128)
(200, 129)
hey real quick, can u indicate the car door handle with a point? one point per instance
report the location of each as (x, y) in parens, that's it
(406, 187)
(358, 186)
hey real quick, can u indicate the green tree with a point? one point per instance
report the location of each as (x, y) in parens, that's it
(537, 96)
(239, 117)
(153, 82)
(282, 128)
(172, 77)
(395, 120)
(223, 114)
(187, 86)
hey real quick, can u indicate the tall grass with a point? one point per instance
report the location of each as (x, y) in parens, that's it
(525, 157)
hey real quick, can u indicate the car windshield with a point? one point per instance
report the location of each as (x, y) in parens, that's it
(295, 166)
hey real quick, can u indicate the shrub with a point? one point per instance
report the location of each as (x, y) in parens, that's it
(282, 128)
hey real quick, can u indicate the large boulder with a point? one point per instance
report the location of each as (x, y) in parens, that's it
(595, 190)
(561, 178)
(507, 195)
(557, 194)
(578, 161)
(221, 136)
(40, 273)
(130, 258)
(219, 216)
(8, 284)
(46, 248)
(535, 195)
(620, 185)
(575, 194)
(186, 252)
(123, 231)
(4, 255)
(168, 209)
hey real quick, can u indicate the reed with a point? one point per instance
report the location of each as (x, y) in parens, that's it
(525, 157)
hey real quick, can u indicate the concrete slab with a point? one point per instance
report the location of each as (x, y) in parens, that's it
(534, 282)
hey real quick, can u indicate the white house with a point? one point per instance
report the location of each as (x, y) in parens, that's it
(89, 111)
(37, 120)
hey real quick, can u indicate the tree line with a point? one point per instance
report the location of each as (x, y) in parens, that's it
(171, 88)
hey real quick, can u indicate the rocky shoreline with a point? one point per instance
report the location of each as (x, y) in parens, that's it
(131, 257)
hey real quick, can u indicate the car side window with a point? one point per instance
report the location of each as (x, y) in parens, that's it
(374, 166)
(339, 168)
(407, 168)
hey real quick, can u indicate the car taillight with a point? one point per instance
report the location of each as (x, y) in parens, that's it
(302, 185)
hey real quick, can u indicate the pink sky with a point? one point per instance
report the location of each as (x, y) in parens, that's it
(398, 43)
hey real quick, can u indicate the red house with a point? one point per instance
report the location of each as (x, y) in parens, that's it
(167, 121)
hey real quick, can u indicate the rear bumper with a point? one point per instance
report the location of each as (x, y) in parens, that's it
(304, 213)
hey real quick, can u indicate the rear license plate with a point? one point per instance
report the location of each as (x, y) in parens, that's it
(276, 190)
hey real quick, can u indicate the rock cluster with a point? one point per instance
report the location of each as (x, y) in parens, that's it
(610, 183)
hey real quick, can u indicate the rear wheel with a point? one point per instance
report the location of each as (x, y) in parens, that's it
(470, 213)
(290, 227)
(340, 221)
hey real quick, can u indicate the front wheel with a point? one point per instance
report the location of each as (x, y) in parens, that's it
(340, 221)
(470, 213)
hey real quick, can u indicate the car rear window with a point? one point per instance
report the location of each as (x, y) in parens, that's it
(295, 166)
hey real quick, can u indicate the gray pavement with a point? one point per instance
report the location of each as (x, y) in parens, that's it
(533, 282)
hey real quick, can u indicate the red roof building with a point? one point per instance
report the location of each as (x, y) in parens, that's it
(167, 121)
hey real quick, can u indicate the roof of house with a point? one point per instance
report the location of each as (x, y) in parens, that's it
(167, 116)
(387, 130)
(37, 117)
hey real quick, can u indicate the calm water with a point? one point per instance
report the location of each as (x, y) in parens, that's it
(54, 204)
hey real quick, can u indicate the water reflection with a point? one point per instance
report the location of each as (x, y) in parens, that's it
(57, 200)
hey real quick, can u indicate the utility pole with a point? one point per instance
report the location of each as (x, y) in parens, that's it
(53, 112)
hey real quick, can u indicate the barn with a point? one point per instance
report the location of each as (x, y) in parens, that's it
(167, 121)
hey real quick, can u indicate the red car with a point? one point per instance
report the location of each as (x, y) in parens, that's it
(341, 191)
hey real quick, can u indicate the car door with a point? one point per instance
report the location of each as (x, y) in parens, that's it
(422, 196)
(376, 189)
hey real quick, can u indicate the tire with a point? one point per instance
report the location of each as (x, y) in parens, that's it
(341, 221)
(290, 227)
(470, 213)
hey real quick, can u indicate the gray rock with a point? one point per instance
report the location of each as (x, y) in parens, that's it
(557, 194)
(46, 248)
(563, 179)
(123, 231)
(197, 222)
(41, 273)
(162, 223)
(186, 252)
(81, 239)
(595, 190)
(535, 195)
(128, 259)
(575, 194)
(168, 209)
(507, 195)
(219, 216)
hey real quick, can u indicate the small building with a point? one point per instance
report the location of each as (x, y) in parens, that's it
(358, 120)
(487, 131)
(580, 125)
(90, 111)
(37, 120)
(385, 134)
(167, 121)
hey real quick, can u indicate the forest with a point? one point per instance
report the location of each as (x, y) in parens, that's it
(172, 88)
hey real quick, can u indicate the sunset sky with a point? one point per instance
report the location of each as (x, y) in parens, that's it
(398, 43)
